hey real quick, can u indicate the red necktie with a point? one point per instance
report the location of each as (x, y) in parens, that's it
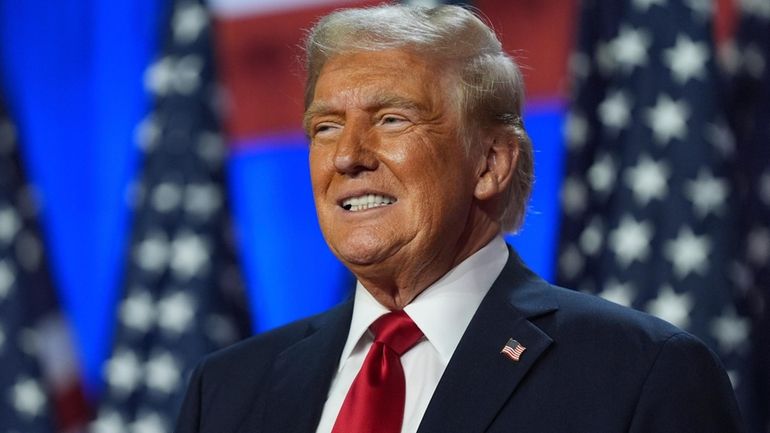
(375, 401)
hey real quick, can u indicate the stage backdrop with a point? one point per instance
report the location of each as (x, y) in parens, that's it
(76, 79)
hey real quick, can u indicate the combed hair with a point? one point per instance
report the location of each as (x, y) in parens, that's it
(490, 86)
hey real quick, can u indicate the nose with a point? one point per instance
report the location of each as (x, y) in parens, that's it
(353, 154)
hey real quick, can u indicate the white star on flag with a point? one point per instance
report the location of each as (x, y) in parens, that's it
(688, 253)
(150, 423)
(189, 255)
(211, 148)
(109, 421)
(176, 312)
(592, 237)
(579, 65)
(166, 197)
(759, 8)
(759, 246)
(605, 58)
(571, 261)
(644, 5)
(170, 73)
(615, 110)
(753, 61)
(702, 8)
(730, 330)
(138, 311)
(188, 22)
(668, 119)
(672, 307)
(152, 253)
(619, 293)
(707, 193)
(573, 196)
(123, 371)
(576, 129)
(631, 240)
(10, 224)
(687, 59)
(158, 77)
(630, 48)
(202, 199)
(28, 397)
(147, 133)
(7, 279)
(648, 180)
(187, 76)
(601, 175)
(162, 373)
(721, 137)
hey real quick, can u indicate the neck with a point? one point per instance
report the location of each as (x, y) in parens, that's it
(396, 290)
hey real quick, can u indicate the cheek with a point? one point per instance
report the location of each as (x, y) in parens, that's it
(448, 183)
(440, 168)
(319, 170)
(440, 188)
(400, 155)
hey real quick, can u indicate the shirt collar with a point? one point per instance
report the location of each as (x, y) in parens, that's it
(444, 309)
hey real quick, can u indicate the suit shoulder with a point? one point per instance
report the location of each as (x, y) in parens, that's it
(261, 346)
(258, 351)
(231, 386)
(590, 314)
(620, 347)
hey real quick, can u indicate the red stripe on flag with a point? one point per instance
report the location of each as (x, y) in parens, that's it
(259, 62)
(543, 59)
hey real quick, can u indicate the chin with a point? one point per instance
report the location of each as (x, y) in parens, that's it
(363, 251)
(359, 256)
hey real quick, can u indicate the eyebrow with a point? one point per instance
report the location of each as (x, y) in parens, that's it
(375, 103)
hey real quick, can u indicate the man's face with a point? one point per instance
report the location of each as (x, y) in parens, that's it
(393, 185)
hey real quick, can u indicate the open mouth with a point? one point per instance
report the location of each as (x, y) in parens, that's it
(367, 201)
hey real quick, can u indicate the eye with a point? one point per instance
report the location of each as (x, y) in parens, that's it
(392, 120)
(324, 128)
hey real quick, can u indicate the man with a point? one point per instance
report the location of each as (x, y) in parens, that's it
(419, 161)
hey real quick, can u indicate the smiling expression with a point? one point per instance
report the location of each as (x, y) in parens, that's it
(392, 182)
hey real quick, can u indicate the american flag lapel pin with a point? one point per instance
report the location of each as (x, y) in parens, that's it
(513, 350)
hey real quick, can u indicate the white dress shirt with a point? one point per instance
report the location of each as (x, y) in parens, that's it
(442, 311)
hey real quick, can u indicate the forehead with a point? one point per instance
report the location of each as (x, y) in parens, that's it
(378, 77)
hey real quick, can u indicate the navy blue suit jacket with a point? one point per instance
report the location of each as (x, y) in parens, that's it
(590, 366)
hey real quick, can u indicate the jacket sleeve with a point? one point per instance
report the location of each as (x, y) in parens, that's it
(686, 390)
(188, 420)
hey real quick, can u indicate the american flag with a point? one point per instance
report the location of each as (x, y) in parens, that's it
(40, 389)
(748, 62)
(182, 295)
(513, 349)
(24, 403)
(650, 209)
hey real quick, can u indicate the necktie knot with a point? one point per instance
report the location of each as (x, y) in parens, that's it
(397, 331)
(375, 400)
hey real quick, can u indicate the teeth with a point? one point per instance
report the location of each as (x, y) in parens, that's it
(368, 201)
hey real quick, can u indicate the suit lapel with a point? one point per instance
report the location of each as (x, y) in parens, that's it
(302, 375)
(479, 379)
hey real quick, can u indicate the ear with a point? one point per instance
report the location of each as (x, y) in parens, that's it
(496, 163)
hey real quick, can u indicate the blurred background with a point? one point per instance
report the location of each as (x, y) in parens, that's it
(155, 201)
